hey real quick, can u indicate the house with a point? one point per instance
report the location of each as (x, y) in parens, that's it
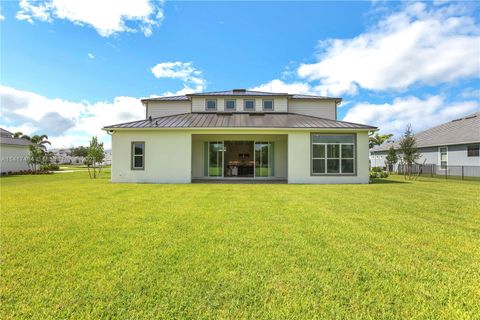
(455, 143)
(63, 156)
(240, 134)
(14, 153)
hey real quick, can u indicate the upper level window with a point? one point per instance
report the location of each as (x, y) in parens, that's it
(249, 104)
(230, 104)
(443, 157)
(267, 105)
(211, 104)
(333, 154)
(473, 150)
(138, 155)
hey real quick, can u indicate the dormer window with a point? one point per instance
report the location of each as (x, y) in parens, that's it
(267, 105)
(211, 105)
(230, 104)
(249, 104)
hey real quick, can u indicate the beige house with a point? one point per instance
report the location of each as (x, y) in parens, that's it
(240, 135)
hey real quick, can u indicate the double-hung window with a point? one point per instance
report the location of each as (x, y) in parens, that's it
(211, 104)
(443, 157)
(249, 105)
(333, 154)
(138, 155)
(473, 150)
(230, 105)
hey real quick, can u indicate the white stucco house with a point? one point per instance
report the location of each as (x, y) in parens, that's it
(240, 134)
(14, 153)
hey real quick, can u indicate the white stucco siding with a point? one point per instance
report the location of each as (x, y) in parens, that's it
(299, 161)
(13, 158)
(317, 108)
(167, 108)
(279, 103)
(167, 156)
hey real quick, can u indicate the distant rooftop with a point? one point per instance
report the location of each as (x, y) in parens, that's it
(239, 92)
(6, 137)
(459, 131)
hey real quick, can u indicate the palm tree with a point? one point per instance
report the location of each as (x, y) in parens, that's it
(21, 136)
(40, 140)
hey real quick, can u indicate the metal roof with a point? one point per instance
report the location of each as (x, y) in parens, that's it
(459, 131)
(5, 133)
(239, 92)
(239, 120)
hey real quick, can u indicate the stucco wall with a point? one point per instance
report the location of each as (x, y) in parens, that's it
(167, 156)
(317, 108)
(299, 158)
(13, 158)
(280, 150)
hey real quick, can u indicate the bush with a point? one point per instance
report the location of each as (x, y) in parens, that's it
(378, 174)
(49, 167)
(376, 169)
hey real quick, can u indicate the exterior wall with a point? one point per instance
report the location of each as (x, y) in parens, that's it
(457, 156)
(279, 103)
(167, 108)
(280, 150)
(317, 108)
(13, 158)
(299, 160)
(167, 156)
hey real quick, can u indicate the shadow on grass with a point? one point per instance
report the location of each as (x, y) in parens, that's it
(386, 181)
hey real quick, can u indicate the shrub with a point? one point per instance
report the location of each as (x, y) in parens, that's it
(378, 174)
(49, 167)
(376, 169)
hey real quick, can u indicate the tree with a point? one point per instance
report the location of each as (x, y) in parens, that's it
(36, 157)
(378, 139)
(391, 158)
(21, 136)
(95, 156)
(80, 151)
(408, 148)
(41, 140)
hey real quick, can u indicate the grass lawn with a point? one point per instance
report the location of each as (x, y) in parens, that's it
(78, 248)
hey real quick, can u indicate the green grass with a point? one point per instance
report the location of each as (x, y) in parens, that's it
(78, 248)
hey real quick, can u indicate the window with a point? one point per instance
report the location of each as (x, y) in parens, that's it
(138, 155)
(211, 104)
(267, 105)
(333, 154)
(249, 104)
(443, 157)
(230, 104)
(473, 150)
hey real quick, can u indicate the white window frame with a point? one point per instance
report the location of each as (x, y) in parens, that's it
(440, 157)
(273, 105)
(340, 158)
(234, 105)
(211, 109)
(245, 105)
(133, 155)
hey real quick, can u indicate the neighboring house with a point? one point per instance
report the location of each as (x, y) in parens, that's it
(62, 156)
(240, 134)
(14, 153)
(455, 143)
(108, 157)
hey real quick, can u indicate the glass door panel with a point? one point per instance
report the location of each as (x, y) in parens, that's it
(215, 159)
(263, 159)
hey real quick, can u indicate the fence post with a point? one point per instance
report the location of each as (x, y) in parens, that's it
(446, 171)
(462, 172)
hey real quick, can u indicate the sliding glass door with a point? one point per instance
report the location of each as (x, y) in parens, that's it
(214, 159)
(264, 159)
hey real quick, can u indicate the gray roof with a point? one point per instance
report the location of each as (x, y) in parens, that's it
(240, 120)
(6, 137)
(239, 92)
(459, 131)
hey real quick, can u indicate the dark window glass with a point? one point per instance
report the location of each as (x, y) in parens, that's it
(319, 151)
(229, 104)
(333, 151)
(473, 151)
(318, 166)
(249, 104)
(268, 104)
(138, 148)
(333, 166)
(211, 104)
(347, 166)
(347, 151)
(138, 162)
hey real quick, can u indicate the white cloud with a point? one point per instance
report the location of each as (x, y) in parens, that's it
(2, 17)
(415, 46)
(66, 123)
(184, 71)
(471, 93)
(420, 113)
(106, 16)
(91, 56)
(280, 86)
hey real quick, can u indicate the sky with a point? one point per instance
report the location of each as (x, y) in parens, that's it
(70, 67)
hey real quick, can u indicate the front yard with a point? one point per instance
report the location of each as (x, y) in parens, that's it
(72, 247)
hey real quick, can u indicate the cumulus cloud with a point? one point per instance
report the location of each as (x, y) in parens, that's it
(280, 86)
(420, 113)
(415, 46)
(108, 17)
(190, 76)
(66, 123)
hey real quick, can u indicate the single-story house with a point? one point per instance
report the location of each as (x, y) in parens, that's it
(455, 143)
(240, 134)
(14, 153)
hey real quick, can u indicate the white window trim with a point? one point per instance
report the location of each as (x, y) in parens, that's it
(273, 105)
(254, 104)
(440, 156)
(340, 158)
(133, 155)
(234, 105)
(211, 109)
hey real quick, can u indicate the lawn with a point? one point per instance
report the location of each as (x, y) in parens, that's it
(76, 248)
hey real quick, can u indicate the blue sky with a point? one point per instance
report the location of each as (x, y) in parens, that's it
(68, 69)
